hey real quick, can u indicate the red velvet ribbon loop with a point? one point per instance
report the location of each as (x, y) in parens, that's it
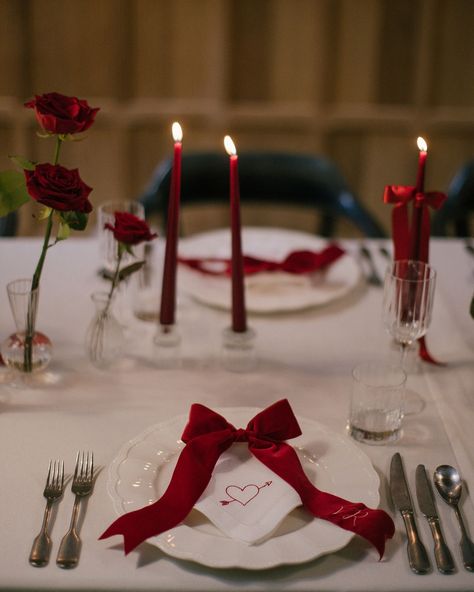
(399, 194)
(207, 436)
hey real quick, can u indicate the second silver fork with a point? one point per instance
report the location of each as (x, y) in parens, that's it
(53, 490)
(82, 484)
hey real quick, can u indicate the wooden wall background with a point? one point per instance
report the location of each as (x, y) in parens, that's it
(356, 80)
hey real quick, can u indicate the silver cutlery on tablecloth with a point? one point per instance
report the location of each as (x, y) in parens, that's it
(372, 277)
(82, 485)
(53, 490)
(417, 556)
(448, 482)
(424, 494)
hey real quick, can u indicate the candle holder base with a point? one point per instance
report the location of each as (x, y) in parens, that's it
(167, 347)
(238, 350)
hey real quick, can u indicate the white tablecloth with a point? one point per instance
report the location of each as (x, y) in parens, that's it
(306, 357)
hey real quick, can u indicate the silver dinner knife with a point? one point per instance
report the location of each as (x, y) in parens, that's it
(424, 493)
(417, 556)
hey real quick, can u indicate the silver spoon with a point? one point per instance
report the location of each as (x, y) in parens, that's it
(449, 485)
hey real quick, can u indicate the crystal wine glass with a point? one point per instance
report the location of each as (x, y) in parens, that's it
(408, 301)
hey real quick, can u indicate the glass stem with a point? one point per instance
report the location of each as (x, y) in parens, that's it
(403, 355)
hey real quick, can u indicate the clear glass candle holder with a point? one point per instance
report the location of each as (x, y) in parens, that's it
(167, 346)
(238, 350)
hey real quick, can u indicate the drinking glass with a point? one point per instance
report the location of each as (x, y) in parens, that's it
(408, 301)
(377, 402)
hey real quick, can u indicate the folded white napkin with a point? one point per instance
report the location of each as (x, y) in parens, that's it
(245, 499)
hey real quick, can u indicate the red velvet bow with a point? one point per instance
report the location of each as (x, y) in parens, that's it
(404, 233)
(411, 240)
(207, 435)
(297, 262)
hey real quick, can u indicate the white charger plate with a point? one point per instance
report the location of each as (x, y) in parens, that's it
(140, 473)
(266, 292)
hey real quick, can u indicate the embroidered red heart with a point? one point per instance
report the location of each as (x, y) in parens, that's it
(243, 495)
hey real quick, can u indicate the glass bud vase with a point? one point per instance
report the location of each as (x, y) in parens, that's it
(27, 351)
(105, 339)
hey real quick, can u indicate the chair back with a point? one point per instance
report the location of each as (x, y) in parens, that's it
(265, 178)
(458, 207)
(8, 224)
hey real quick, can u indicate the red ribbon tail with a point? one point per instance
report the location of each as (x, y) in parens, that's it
(425, 355)
(134, 532)
(374, 525)
(185, 488)
(401, 232)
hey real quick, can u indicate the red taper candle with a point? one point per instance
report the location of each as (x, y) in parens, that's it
(239, 316)
(168, 289)
(418, 205)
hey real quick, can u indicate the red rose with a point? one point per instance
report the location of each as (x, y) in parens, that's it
(59, 188)
(130, 229)
(59, 114)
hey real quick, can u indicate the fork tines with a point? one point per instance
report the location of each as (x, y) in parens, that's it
(84, 469)
(55, 478)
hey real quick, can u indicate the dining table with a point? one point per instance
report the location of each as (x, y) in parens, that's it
(305, 355)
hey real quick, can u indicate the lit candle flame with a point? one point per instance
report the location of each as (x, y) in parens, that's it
(422, 145)
(177, 132)
(230, 146)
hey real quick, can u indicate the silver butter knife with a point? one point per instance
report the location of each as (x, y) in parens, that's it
(417, 556)
(424, 493)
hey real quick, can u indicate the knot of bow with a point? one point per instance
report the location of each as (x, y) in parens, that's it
(402, 194)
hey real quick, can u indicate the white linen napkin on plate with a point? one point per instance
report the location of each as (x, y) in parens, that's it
(245, 499)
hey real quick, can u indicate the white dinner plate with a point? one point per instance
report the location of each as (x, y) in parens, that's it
(267, 292)
(142, 469)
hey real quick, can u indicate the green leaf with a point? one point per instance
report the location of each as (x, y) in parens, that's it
(64, 231)
(126, 271)
(23, 163)
(75, 220)
(13, 192)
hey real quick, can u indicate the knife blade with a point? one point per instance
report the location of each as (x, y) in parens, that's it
(417, 556)
(424, 494)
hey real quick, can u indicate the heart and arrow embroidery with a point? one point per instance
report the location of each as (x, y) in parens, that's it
(243, 495)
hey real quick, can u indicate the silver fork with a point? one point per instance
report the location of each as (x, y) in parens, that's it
(82, 484)
(53, 490)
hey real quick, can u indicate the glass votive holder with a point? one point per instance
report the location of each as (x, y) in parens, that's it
(377, 402)
(238, 350)
(167, 346)
(147, 287)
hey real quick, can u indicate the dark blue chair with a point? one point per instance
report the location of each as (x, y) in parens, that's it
(265, 178)
(8, 224)
(455, 214)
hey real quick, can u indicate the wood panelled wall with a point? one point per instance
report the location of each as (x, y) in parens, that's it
(356, 80)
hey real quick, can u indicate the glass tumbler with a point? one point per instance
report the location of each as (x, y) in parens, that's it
(377, 402)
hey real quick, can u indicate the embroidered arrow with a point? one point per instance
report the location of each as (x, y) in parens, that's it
(243, 495)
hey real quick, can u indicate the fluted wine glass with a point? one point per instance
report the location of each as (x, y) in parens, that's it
(408, 301)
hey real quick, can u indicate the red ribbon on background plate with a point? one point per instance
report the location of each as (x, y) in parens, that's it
(296, 262)
(207, 435)
(405, 234)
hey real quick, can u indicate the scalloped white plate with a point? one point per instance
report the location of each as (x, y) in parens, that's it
(266, 293)
(142, 469)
